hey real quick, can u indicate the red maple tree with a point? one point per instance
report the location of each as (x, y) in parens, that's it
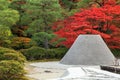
(103, 20)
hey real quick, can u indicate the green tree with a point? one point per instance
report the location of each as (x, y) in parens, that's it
(8, 17)
(20, 27)
(40, 36)
(84, 3)
(72, 6)
(43, 13)
(68, 4)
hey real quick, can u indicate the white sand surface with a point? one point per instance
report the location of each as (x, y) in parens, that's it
(47, 70)
(42, 75)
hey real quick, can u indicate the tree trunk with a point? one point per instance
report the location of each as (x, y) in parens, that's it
(46, 43)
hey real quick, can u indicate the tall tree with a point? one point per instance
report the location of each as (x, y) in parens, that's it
(102, 20)
(21, 25)
(43, 13)
(8, 17)
(73, 6)
(68, 4)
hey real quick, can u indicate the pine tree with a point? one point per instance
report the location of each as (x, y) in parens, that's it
(43, 13)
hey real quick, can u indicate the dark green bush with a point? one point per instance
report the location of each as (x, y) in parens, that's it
(56, 53)
(11, 70)
(60, 52)
(9, 54)
(50, 53)
(34, 53)
(38, 53)
(116, 52)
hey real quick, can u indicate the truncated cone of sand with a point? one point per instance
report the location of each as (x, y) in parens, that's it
(88, 50)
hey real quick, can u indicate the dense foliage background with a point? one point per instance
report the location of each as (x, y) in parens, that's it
(55, 24)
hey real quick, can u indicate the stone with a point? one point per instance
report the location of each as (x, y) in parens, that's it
(88, 50)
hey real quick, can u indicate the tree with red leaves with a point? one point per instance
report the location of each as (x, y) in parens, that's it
(102, 20)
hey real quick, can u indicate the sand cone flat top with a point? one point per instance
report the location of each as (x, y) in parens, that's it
(88, 50)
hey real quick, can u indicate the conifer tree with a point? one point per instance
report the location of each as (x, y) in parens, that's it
(43, 13)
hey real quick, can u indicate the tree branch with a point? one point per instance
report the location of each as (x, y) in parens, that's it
(98, 3)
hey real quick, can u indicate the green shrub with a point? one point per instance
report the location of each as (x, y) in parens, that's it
(9, 54)
(12, 56)
(34, 53)
(20, 43)
(11, 70)
(38, 53)
(116, 52)
(5, 43)
(50, 53)
(60, 52)
(56, 53)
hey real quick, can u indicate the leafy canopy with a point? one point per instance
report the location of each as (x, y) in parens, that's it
(102, 20)
(43, 13)
(8, 17)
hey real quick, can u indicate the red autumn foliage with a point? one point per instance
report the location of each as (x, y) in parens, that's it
(103, 20)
